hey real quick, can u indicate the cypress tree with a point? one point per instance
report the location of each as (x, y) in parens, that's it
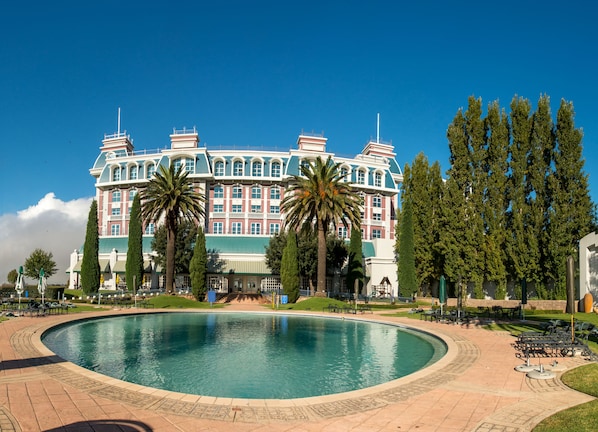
(289, 268)
(476, 235)
(407, 279)
(90, 266)
(542, 142)
(355, 264)
(418, 189)
(495, 205)
(517, 240)
(134, 266)
(571, 215)
(455, 234)
(198, 266)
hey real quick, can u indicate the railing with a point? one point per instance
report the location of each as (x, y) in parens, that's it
(184, 131)
(117, 135)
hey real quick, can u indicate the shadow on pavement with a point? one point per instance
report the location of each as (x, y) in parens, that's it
(104, 426)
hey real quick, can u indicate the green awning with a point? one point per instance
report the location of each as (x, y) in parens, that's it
(242, 268)
(120, 267)
(104, 265)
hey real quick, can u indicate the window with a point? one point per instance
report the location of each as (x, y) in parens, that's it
(115, 211)
(237, 192)
(236, 228)
(256, 192)
(150, 228)
(274, 209)
(115, 229)
(218, 208)
(133, 173)
(151, 169)
(256, 208)
(116, 196)
(132, 194)
(189, 165)
(344, 173)
(275, 192)
(177, 164)
(256, 169)
(256, 228)
(378, 180)
(237, 208)
(377, 201)
(361, 177)
(219, 169)
(342, 232)
(377, 216)
(376, 234)
(218, 192)
(238, 168)
(274, 228)
(275, 169)
(217, 227)
(116, 174)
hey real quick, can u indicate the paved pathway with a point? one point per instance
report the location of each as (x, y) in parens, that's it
(473, 388)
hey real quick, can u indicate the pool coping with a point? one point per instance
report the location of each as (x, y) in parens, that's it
(461, 354)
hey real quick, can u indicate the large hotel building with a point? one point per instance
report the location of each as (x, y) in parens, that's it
(243, 190)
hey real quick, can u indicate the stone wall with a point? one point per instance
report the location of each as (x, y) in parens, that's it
(557, 305)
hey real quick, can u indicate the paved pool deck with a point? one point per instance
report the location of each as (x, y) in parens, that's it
(473, 388)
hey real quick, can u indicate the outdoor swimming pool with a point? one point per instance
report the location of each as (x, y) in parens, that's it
(244, 355)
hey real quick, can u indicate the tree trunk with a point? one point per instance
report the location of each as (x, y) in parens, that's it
(170, 244)
(321, 258)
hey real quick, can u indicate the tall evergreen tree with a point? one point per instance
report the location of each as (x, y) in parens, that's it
(571, 215)
(455, 238)
(134, 266)
(495, 204)
(519, 260)
(198, 267)
(407, 278)
(476, 235)
(418, 188)
(289, 268)
(355, 265)
(539, 161)
(90, 265)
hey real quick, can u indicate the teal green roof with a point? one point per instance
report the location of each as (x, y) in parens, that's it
(237, 244)
(222, 244)
(121, 244)
(368, 249)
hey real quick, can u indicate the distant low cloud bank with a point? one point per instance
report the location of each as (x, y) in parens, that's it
(53, 225)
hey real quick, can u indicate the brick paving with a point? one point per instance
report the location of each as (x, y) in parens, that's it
(473, 388)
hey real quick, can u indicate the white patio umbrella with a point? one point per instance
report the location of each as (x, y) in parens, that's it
(41, 285)
(20, 285)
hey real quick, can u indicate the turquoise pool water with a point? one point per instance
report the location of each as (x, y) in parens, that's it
(256, 356)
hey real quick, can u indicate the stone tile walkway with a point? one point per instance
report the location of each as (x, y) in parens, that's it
(473, 388)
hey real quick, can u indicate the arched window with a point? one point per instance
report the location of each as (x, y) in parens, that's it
(219, 169)
(275, 169)
(133, 172)
(238, 168)
(256, 169)
(361, 177)
(151, 169)
(378, 179)
(116, 174)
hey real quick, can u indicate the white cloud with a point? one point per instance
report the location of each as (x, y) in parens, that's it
(53, 225)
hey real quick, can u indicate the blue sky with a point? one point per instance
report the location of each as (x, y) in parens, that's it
(258, 73)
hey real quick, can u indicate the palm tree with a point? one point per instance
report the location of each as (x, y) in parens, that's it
(320, 196)
(170, 194)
